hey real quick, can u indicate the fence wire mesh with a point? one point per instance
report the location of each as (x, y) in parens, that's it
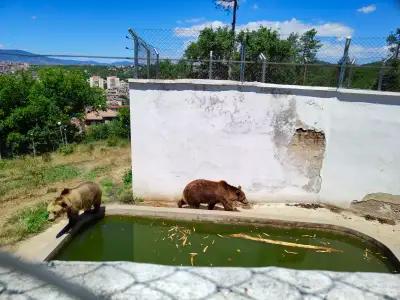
(370, 62)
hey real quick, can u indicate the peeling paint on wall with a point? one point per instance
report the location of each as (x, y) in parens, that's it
(306, 152)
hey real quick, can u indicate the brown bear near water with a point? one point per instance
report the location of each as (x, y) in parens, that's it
(212, 192)
(82, 197)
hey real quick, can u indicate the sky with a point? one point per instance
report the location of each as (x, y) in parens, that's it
(97, 27)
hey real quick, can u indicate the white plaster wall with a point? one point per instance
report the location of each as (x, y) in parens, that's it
(203, 129)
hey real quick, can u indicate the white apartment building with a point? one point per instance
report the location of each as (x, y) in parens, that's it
(113, 82)
(97, 81)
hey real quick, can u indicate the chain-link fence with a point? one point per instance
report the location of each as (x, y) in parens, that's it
(261, 56)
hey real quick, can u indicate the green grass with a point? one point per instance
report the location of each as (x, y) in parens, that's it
(97, 172)
(60, 173)
(28, 173)
(26, 222)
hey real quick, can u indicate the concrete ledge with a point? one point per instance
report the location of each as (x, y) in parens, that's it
(123, 280)
(347, 95)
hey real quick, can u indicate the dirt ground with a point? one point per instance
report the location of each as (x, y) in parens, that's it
(99, 163)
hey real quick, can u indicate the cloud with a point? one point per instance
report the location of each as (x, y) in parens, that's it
(283, 27)
(194, 20)
(333, 51)
(34, 18)
(194, 30)
(1, 46)
(367, 9)
(255, 6)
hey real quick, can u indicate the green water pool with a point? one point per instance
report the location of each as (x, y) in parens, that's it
(117, 238)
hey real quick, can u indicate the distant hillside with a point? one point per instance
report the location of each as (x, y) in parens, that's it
(34, 59)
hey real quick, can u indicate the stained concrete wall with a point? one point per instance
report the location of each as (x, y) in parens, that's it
(280, 143)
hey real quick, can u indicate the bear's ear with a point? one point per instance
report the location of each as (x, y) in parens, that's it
(63, 204)
(239, 187)
(65, 191)
(224, 183)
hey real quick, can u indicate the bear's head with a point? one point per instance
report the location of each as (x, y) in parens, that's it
(241, 197)
(58, 206)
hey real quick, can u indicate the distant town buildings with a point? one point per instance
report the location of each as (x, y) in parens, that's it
(96, 81)
(113, 82)
(97, 117)
(12, 67)
(117, 93)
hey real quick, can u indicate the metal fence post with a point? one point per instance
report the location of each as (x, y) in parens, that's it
(344, 60)
(353, 62)
(157, 63)
(305, 71)
(210, 66)
(381, 73)
(242, 61)
(148, 62)
(263, 66)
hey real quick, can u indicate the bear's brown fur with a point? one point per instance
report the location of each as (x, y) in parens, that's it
(71, 201)
(211, 192)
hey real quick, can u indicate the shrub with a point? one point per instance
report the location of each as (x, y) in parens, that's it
(112, 141)
(127, 178)
(67, 149)
(126, 197)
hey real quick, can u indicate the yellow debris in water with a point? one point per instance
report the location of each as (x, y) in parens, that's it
(213, 241)
(238, 250)
(310, 236)
(205, 249)
(283, 243)
(221, 236)
(266, 234)
(290, 252)
(192, 256)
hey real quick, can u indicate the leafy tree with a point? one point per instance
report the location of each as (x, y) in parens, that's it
(267, 41)
(217, 40)
(391, 76)
(393, 40)
(309, 46)
(31, 108)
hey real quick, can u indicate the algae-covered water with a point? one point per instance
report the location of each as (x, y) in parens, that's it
(167, 242)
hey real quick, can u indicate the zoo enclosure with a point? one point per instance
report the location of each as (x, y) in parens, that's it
(362, 63)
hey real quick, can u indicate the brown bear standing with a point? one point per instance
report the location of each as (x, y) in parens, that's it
(211, 192)
(71, 201)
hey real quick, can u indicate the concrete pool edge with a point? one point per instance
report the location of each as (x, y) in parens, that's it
(44, 246)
